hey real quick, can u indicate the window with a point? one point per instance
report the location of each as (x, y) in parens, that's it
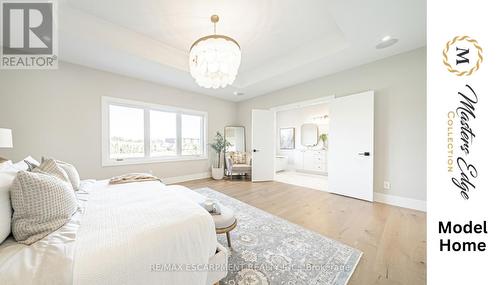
(126, 132)
(163, 133)
(136, 132)
(191, 134)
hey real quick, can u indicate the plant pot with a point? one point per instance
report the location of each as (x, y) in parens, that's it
(217, 173)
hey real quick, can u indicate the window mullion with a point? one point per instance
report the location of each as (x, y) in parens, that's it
(179, 134)
(202, 135)
(108, 131)
(147, 133)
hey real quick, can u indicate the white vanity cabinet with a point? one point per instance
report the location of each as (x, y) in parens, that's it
(311, 160)
(281, 163)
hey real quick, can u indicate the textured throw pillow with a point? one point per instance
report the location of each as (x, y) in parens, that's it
(70, 170)
(50, 166)
(239, 157)
(42, 203)
(72, 173)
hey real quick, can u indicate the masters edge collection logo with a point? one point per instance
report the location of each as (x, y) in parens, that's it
(28, 35)
(463, 56)
(468, 55)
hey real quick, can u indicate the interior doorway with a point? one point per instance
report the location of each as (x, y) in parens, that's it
(301, 136)
(334, 142)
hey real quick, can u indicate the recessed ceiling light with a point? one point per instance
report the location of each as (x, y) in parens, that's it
(237, 93)
(386, 44)
(386, 38)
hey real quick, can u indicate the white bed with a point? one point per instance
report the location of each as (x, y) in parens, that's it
(123, 234)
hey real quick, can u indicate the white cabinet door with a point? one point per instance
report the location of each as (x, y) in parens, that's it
(350, 158)
(263, 153)
(309, 161)
(298, 159)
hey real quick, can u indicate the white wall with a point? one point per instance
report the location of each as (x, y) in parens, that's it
(399, 83)
(295, 119)
(58, 113)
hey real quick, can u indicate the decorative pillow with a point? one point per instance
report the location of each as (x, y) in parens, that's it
(72, 173)
(7, 176)
(42, 203)
(29, 163)
(5, 165)
(50, 166)
(70, 170)
(239, 157)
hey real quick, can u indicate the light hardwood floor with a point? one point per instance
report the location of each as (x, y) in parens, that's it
(393, 239)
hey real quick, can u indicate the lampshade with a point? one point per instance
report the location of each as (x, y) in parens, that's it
(5, 138)
(214, 60)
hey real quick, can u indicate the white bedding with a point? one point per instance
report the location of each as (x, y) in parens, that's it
(121, 233)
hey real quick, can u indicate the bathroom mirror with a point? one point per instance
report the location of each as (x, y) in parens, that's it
(236, 136)
(309, 135)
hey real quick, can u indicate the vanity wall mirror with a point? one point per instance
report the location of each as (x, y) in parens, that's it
(309, 135)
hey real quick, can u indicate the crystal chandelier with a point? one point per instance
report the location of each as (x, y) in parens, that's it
(214, 60)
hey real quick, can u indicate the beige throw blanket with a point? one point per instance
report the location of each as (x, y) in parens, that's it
(133, 177)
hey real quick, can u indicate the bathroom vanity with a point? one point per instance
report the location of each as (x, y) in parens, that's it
(311, 160)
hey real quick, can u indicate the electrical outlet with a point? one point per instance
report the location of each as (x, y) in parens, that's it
(387, 185)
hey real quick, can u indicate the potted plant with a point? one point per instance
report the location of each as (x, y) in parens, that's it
(219, 145)
(324, 138)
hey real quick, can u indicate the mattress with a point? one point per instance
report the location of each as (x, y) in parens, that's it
(136, 233)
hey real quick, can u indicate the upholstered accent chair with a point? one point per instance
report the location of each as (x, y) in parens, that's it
(238, 163)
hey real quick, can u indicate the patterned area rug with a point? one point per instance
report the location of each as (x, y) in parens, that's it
(268, 250)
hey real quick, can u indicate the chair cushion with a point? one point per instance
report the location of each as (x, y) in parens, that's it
(225, 219)
(241, 167)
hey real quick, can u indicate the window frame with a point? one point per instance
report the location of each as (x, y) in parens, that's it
(146, 107)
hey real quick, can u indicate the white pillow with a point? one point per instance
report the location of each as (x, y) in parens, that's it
(22, 165)
(5, 164)
(7, 176)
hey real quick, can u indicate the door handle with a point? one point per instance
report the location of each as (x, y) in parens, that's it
(364, 153)
(255, 150)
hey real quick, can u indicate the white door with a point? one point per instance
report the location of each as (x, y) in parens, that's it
(350, 158)
(263, 153)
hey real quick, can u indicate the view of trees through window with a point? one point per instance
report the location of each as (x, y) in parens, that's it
(163, 133)
(191, 135)
(127, 133)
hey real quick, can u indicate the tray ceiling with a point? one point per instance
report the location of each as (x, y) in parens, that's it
(283, 42)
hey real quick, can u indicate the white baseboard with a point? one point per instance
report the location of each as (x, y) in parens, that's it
(415, 204)
(184, 178)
